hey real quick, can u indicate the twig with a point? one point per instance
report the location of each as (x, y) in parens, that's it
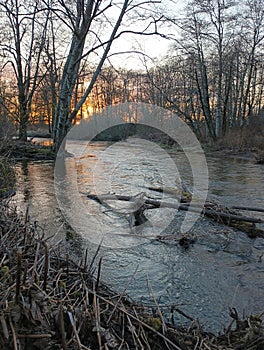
(140, 322)
(97, 320)
(46, 266)
(35, 336)
(19, 271)
(34, 267)
(27, 215)
(4, 327)
(183, 314)
(13, 334)
(75, 331)
(98, 274)
(94, 257)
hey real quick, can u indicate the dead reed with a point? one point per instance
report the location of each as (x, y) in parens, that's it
(7, 177)
(48, 301)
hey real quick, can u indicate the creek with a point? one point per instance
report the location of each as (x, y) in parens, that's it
(223, 268)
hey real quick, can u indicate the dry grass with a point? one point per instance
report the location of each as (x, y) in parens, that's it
(7, 177)
(247, 138)
(47, 301)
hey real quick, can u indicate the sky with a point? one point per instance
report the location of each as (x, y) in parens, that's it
(154, 46)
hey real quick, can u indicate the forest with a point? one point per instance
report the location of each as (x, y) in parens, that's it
(58, 62)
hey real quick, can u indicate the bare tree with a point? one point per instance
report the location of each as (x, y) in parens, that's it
(25, 37)
(221, 42)
(83, 19)
(254, 36)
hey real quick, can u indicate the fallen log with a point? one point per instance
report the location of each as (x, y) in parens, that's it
(260, 210)
(163, 204)
(220, 214)
(186, 195)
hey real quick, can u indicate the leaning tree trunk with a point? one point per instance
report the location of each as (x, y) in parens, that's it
(69, 78)
(64, 115)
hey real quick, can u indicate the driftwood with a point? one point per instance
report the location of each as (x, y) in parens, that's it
(210, 212)
(227, 216)
(260, 210)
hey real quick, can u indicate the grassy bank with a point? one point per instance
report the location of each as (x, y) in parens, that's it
(48, 301)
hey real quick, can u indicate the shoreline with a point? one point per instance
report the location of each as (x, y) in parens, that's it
(48, 299)
(30, 150)
(26, 150)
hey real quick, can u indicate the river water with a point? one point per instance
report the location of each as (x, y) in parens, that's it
(222, 268)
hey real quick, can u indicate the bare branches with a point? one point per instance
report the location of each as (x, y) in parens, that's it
(25, 46)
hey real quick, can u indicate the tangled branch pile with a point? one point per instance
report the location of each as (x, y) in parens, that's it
(48, 301)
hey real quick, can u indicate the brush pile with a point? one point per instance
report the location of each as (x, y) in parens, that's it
(48, 301)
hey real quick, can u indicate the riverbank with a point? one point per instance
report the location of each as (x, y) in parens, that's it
(247, 155)
(20, 150)
(7, 177)
(246, 142)
(242, 143)
(48, 301)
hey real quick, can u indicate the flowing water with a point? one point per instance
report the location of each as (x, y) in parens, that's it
(222, 268)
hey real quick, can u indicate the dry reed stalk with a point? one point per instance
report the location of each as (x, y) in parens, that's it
(98, 274)
(62, 328)
(142, 331)
(121, 296)
(19, 272)
(164, 328)
(13, 334)
(34, 336)
(134, 333)
(52, 286)
(46, 269)
(73, 324)
(4, 327)
(140, 322)
(96, 310)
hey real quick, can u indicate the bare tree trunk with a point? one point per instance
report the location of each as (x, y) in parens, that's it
(22, 18)
(64, 116)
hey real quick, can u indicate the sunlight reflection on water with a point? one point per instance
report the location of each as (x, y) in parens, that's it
(223, 268)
